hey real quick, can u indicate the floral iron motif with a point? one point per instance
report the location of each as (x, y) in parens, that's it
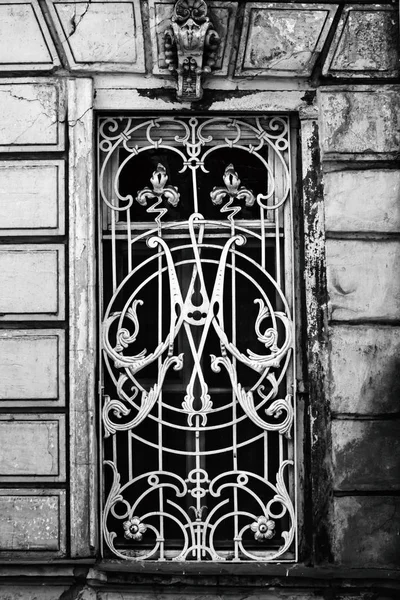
(191, 45)
(264, 529)
(134, 529)
(233, 191)
(160, 190)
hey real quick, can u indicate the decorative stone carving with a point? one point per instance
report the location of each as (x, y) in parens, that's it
(190, 45)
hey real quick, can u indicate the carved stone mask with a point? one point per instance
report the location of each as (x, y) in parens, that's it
(190, 9)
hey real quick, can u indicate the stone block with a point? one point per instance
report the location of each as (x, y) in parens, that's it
(32, 521)
(366, 531)
(32, 448)
(365, 366)
(363, 280)
(366, 455)
(32, 364)
(366, 43)
(360, 200)
(360, 122)
(32, 197)
(25, 41)
(32, 282)
(100, 35)
(282, 40)
(222, 15)
(10, 591)
(32, 116)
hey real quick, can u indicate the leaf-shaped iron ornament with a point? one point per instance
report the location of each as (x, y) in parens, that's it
(159, 192)
(233, 191)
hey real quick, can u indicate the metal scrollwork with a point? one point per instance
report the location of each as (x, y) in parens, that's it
(198, 340)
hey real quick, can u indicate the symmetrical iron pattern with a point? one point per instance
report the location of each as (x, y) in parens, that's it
(198, 338)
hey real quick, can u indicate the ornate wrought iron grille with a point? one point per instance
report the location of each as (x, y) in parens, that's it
(197, 338)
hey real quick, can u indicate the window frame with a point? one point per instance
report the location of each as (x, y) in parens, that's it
(313, 474)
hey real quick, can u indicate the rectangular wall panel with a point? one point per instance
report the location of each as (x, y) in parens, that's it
(366, 532)
(373, 386)
(32, 197)
(33, 116)
(26, 43)
(363, 280)
(359, 200)
(32, 521)
(32, 282)
(345, 120)
(282, 40)
(32, 447)
(366, 455)
(32, 365)
(109, 36)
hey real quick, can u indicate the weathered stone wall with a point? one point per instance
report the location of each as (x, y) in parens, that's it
(59, 60)
(32, 306)
(363, 261)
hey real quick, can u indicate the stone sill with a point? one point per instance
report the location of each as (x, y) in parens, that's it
(193, 574)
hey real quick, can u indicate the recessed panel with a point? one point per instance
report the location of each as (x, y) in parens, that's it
(32, 367)
(32, 447)
(366, 43)
(32, 197)
(21, 21)
(100, 35)
(282, 39)
(32, 116)
(32, 282)
(32, 521)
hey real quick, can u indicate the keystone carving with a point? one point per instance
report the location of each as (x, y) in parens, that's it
(190, 45)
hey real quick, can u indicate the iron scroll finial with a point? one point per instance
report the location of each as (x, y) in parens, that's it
(191, 45)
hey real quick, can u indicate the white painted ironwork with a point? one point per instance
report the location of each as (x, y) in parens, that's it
(198, 338)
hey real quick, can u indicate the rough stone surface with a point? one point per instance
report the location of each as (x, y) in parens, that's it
(366, 455)
(31, 592)
(362, 200)
(363, 122)
(278, 40)
(365, 366)
(361, 281)
(367, 531)
(365, 44)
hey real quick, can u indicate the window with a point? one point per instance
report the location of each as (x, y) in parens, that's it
(197, 332)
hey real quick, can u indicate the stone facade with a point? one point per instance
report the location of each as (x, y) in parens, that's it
(335, 68)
